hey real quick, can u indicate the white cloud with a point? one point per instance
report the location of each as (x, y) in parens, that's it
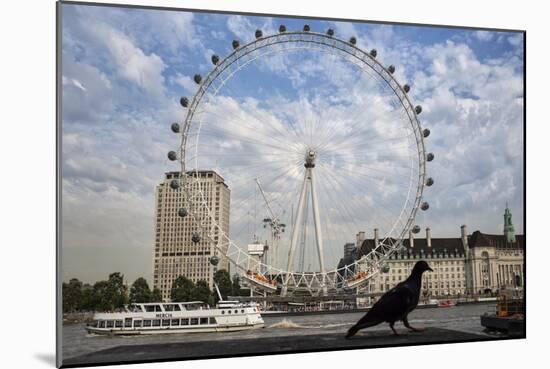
(484, 35)
(131, 62)
(241, 27)
(186, 82)
(516, 40)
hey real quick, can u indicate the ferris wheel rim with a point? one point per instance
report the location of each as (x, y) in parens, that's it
(375, 258)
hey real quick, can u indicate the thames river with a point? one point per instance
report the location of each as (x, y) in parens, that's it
(463, 318)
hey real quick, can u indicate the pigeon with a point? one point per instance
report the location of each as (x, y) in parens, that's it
(395, 304)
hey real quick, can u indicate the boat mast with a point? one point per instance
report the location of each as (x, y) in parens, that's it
(218, 291)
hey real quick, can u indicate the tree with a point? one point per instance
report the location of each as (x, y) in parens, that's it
(87, 301)
(202, 292)
(99, 299)
(111, 294)
(182, 289)
(223, 280)
(156, 295)
(140, 291)
(72, 295)
(117, 291)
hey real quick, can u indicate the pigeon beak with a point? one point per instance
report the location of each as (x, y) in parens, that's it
(430, 269)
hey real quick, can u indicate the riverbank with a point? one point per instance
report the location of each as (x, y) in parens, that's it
(267, 345)
(360, 310)
(77, 318)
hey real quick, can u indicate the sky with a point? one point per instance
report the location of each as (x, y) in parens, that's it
(124, 70)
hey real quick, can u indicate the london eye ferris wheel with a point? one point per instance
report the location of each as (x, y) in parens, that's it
(330, 147)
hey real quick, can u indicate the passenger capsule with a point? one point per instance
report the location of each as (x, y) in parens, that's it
(416, 229)
(198, 79)
(196, 238)
(175, 127)
(425, 206)
(172, 155)
(406, 88)
(373, 53)
(429, 182)
(418, 109)
(214, 260)
(385, 268)
(391, 69)
(215, 59)
(235, 44)
(258, 33)
(174, 184)
(330, 32)
(353, 40)
(430, 156)
(282, 28)
(306, 28)
(426, 132)
(182, 212)
(184, 101)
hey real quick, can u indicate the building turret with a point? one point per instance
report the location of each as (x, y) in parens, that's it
(509, 232)
(464, 237)
(360, 237)
(428, 237)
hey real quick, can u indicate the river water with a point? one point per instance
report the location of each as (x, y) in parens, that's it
(464, 318)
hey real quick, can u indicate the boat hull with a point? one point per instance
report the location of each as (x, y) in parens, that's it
(168, 330)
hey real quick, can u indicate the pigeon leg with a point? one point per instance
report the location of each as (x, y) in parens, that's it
(406, 323)
(393, 329)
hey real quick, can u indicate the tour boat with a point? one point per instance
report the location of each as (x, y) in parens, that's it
(178, 317)
(445, 304)
(430, 303)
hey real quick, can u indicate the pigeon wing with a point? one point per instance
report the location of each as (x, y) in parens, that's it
(394, 304)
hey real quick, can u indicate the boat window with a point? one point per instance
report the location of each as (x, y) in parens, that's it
(110, 324)
(94, 323)
(204, 320)
(118, 323)
(147, 323)
(137, 323)
(212, 320)
(242, 311)
(102, 324)
(152, 308)
(228, 311)
(128, 322)
(165, 322)
(236, 311)
(175, 322)
(223, 311)
(135, 309)
(194, 321)
(171, 307)
(185, 321)
(156, 322)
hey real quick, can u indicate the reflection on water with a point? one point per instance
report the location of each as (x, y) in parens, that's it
(464, 318)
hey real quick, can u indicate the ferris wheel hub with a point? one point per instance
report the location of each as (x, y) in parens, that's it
(310, 157)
